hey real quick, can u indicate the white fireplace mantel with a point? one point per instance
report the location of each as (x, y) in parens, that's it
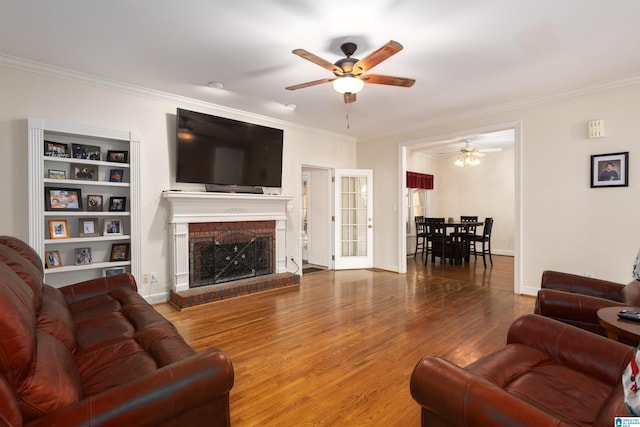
(194, 207)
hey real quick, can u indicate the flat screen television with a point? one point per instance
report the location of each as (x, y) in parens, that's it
(225, 152)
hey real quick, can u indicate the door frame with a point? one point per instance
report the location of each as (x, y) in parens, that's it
(517, 235)
(329, 202)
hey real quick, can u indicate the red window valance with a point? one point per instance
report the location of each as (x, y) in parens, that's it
(419, 180)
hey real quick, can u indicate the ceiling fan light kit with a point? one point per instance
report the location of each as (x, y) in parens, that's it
(469, 156)
(347, 85)
(467, 160)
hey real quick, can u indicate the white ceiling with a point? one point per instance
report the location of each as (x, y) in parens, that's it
(466, 55)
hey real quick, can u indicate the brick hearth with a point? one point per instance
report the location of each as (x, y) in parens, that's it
(218, 292)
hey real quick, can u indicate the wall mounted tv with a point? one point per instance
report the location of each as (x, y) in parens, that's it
(230, 155)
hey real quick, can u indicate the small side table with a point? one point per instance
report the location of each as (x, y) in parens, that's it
(623, 330)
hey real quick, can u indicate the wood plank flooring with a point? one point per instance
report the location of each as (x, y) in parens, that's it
(339, 351)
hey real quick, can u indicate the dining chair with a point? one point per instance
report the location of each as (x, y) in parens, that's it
(485, 239)
(421, 236)
(436, 240)
(467, 233)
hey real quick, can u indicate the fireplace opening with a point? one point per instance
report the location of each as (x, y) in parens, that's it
(221, 255)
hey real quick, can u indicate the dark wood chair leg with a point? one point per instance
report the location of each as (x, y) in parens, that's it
(490, 258)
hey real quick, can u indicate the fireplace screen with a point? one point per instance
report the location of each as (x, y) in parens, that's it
(229, 256)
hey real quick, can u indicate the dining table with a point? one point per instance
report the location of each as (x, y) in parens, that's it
(461, 247)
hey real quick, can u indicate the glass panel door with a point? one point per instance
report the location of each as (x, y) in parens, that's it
(354, 221)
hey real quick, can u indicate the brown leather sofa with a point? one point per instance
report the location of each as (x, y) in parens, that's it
(575, 299)
(96, 353)
(548, 374)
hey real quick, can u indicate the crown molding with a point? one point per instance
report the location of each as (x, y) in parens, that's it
(515, 105)
(62, 73)
(88, 79)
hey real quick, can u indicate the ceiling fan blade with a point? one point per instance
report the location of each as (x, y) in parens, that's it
(316, 60)
(489, 150)
(388, 80)
(373, 59)
(313, 83)
(349, 98)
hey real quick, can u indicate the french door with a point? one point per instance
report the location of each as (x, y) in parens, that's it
(353, 218)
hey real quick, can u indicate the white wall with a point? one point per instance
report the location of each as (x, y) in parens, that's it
(486, 190)
(566, 225)
(77, 99)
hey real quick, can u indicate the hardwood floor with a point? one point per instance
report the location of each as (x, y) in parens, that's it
(339, 351)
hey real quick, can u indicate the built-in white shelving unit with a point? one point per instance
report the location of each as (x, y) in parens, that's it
(114, 178)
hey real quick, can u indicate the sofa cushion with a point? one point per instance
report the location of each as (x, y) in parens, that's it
(113, 364)
(54, 382)
(17, 326)
(25, 270)
(534, 376)
(55, 317)
(25, 250)
(10, 414)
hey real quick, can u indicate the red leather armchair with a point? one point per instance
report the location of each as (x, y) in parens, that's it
(575, 299)
(548, 374)
(95, 353)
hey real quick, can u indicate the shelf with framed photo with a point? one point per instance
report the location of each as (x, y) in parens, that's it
(81, 178)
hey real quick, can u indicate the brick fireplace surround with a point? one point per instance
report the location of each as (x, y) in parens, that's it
(198, 208)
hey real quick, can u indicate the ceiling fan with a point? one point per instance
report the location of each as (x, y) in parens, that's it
(470, 155)
(350, 72)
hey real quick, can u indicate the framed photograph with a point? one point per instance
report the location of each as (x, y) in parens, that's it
(83, 256)
(116, 175)
(113, 271)
(112, 227)
(89, 173)
(86, 152)
(56, 149)
(94, 203)
(117, 156)
(57, 174)
(69, 199)
(88, 227)
(610, 170)
(52, 259)
(118, 204)
(58, 229)
(119, 252)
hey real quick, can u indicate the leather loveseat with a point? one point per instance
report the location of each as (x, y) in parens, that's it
(96, 353)
(576, 299)
(548, 374)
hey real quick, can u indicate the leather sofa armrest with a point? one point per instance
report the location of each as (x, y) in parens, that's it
(569, 306)
(582, 285)
(95, 287)
(454, 396)
(155, 399)
(584, 351)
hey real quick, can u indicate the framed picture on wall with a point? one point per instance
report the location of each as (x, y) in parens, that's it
(610, 170)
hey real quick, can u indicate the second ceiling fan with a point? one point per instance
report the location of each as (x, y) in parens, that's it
(350, 73)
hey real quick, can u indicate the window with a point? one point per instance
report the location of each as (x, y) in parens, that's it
(416, 206)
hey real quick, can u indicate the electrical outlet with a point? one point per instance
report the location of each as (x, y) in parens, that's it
(145, 278)
(154, 276)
